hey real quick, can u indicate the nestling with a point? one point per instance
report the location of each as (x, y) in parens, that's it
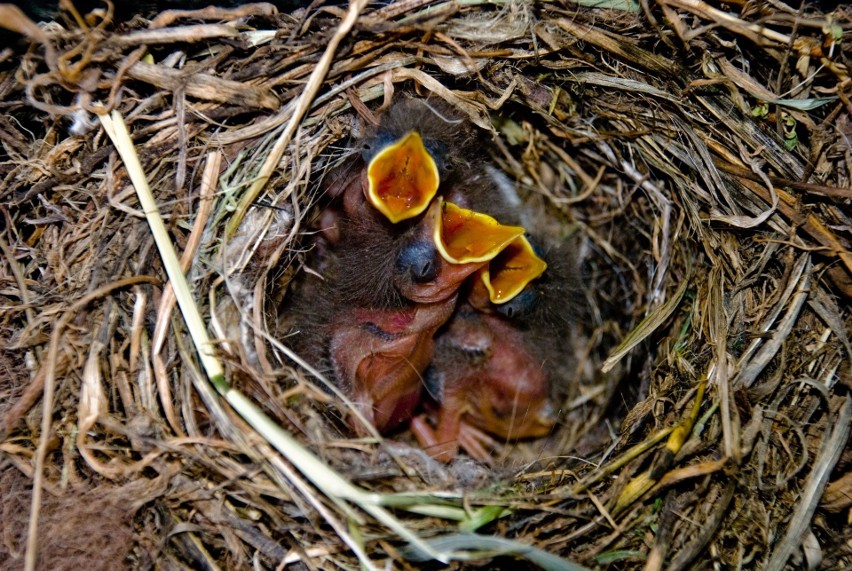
(387, 288)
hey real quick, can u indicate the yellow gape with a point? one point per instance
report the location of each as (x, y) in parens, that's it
(402, 178)
(511, 270)
(463, 236)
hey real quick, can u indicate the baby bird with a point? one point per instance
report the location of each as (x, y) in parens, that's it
(417, 148)
(382, 206)
(497, 368)
(376, 355)
(484, 381)
(387, 287)
(380, 356)
(499, 364)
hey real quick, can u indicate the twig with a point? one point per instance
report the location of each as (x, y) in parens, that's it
(47, 403)
(833, 444)
(302, 105)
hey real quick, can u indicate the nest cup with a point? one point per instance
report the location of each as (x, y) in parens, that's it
(696, 159)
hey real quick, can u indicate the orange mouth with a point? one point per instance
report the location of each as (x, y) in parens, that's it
(463, 236)
(402, 179)
(511, 270)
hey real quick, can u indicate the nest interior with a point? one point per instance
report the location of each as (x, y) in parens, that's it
(698, 154)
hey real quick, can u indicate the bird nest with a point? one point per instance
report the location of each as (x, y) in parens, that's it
(699, 158)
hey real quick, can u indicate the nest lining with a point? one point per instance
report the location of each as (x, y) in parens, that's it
(715, 242)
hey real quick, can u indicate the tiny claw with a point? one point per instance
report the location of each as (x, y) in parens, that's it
(477, 443)
(441, 450)
(402, 178)
(464, 236)
(511, 270)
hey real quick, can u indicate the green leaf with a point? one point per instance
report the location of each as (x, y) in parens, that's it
(836, 31)
(791, 138)
(483, 516)
(761, 110)
(790, 143)
(613, 556)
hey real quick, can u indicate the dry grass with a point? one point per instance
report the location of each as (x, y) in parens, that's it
(701, 158)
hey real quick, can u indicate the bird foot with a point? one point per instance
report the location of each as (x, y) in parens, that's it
(477, 443)
(441, 449)
(443, 445)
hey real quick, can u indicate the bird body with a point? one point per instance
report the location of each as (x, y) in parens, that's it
(484, 381)
(380, 355)
(385, 290)
(406, 234)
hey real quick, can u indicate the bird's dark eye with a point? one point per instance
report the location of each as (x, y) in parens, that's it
(419, 260)
(521, 305)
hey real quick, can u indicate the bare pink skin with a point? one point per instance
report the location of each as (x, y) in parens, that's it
(501, 391)
(381, 355)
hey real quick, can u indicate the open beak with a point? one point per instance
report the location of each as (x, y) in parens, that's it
(463, 236)
(402, 178)
(511, 270)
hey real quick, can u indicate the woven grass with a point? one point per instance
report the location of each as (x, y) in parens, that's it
(699, 157)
